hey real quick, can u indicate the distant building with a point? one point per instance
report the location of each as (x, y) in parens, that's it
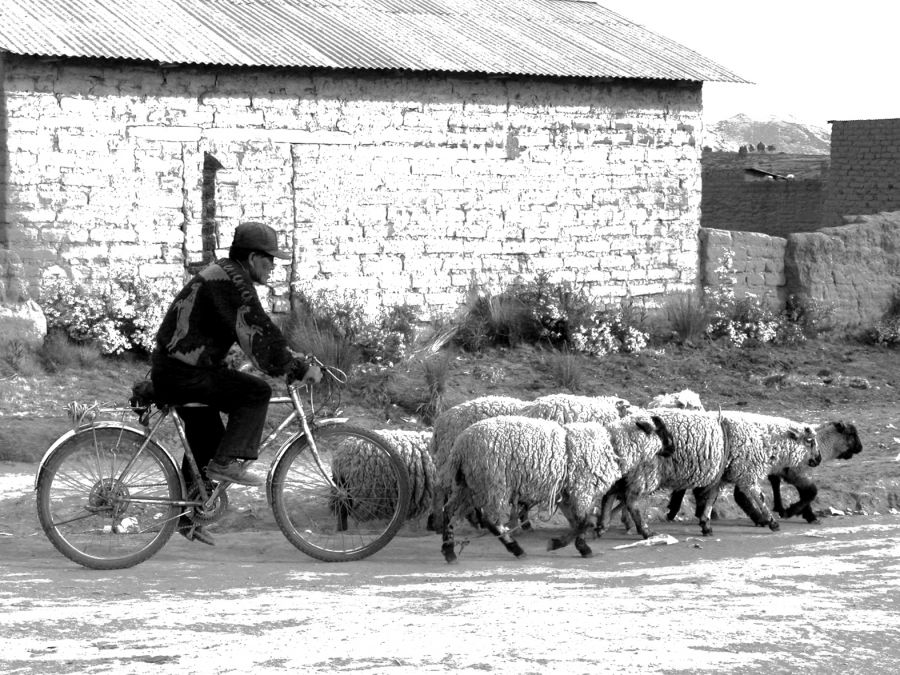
(865, 169)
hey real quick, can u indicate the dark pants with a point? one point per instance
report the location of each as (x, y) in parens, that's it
(243, 397)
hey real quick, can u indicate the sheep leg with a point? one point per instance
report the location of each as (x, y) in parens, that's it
(705, 498)
(747, 507)
(448, 540)
(448, 543)
(524, 520)
(807, 492)
(754, 495)
(638, 518)
(777, 504)
(578, 527)
(607, 505)
(675, 500)
(502, 533)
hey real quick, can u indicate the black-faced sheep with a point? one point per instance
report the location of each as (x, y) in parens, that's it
(836, 440)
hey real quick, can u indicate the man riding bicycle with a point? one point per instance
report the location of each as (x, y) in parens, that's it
(217, 308)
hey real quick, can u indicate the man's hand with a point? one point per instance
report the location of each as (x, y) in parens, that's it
(313, 374)
(305, 372)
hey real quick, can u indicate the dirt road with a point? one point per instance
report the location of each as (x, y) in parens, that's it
(814, 599)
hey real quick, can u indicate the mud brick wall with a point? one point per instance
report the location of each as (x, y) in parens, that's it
(855, 268)
(865, 169)
(757, 265)
(405, 189)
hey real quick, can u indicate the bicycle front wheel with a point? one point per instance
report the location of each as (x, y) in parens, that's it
(104, 502)
(345, 498)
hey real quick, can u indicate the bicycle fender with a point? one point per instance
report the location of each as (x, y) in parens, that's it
(327, 422)
(104, 425)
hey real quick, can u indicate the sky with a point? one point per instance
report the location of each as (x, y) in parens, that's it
(810, 60)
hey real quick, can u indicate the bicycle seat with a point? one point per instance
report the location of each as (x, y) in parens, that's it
(143, 395)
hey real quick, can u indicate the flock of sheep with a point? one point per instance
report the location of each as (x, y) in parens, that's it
(496, 458)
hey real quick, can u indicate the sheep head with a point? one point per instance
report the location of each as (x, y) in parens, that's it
(848, 438)
(807, 435)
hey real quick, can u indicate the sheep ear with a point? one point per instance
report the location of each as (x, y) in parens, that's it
(840, 427)
(646, 427)
(794, 433)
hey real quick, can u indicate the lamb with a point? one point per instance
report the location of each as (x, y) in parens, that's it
(566, 408)
(501, 462)
(760, 445)
(836, 440)
(360, 469)
(685, 399)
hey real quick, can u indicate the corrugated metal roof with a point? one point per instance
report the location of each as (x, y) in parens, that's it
(504, 37)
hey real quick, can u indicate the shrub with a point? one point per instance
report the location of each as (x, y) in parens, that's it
(610, 332)
(687, 316)
(749, 321)
(811, 317)
(58, 352)
(119, 312)
(18, 358)
(887, 331)
(567, 370)
(382, 338)
(493, 320)
(311, 333)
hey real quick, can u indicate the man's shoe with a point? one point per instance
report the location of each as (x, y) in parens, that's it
(192, 532)
(233, 472)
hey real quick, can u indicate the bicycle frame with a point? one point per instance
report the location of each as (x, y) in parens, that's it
(165, 412)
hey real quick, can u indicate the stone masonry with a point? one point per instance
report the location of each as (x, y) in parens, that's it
(403, 188)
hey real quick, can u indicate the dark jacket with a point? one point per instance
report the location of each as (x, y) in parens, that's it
(215, 309)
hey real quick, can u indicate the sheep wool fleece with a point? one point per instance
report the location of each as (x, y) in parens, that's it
(506, 460)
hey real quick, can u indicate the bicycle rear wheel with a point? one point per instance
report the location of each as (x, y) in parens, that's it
(96, 513)
(343, 502)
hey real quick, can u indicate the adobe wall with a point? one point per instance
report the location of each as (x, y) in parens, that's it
(757, 264)
(855, 268)
(865, 169)
(406, 189)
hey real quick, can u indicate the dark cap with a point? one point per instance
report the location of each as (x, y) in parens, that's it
(258, 237)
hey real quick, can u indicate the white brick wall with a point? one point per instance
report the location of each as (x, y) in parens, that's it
(404, 187)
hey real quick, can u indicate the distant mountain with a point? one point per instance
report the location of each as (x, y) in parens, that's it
(786, 135)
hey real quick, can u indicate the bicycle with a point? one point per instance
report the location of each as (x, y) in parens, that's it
(110, 495)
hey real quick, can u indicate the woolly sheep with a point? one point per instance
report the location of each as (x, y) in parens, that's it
(567, 408)
(562, 408)
(728, 447)
(452, 422)
(698, 461)
(686, 399)
(501, 462)
(836, 440)
(362, 470)
(759, 445)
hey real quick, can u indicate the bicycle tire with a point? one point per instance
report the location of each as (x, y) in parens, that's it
(340, 518)
(85, 506)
